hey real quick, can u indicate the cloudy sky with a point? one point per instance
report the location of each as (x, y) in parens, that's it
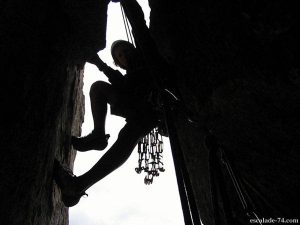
(122, 198)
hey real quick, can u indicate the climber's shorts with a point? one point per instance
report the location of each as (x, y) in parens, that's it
(133, 108)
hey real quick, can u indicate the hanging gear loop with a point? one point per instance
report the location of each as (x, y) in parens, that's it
(150, 149)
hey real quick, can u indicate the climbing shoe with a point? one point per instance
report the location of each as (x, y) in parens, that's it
(93, 141)
(65, 180)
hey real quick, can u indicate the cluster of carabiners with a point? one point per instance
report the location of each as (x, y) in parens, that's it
(150, 150)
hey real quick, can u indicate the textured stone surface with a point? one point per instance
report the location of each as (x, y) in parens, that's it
(43, 45)
(237, 69)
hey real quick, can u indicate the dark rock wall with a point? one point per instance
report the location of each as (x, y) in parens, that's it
(237, 66)
(237, 69)
(43, 46)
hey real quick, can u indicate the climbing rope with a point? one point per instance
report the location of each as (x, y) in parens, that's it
(248, 211)
(126, 25)
(190, 211)
(217, 156)
(150, 149)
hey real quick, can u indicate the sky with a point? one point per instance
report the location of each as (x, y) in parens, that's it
(122, 198)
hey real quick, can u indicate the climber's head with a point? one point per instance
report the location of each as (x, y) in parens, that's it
(123, 53)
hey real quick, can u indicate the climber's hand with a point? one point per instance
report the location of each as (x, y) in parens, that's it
(95, 59)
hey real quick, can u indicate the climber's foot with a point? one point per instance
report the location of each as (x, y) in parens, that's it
(70, 193)
(93, 141)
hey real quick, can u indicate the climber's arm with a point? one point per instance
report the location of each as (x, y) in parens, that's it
(115, 77)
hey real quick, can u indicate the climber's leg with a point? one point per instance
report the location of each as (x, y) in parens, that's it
(101, 93)
(117, 154)
(72, 188)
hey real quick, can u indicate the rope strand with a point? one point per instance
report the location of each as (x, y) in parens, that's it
(127, 27)
(123, 15)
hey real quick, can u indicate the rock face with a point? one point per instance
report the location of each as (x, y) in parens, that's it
(237, 69)
(43, 49)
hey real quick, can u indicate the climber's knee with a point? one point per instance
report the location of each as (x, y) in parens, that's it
(99, 87)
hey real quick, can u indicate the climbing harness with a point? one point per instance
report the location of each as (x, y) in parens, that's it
(150, 149)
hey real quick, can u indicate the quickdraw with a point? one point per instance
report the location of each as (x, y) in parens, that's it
(150, 149)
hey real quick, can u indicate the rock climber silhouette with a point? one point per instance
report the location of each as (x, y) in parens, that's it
(129, 96)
